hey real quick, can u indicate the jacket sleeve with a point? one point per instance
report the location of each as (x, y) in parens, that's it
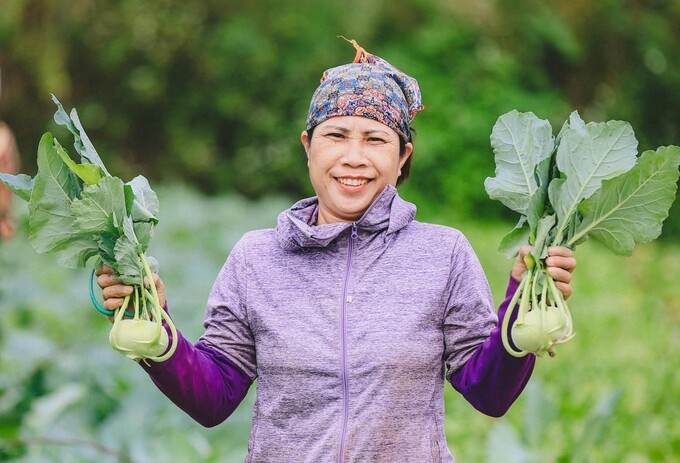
(491, 380)
(227, 326)
(209, 379)
(201, 381)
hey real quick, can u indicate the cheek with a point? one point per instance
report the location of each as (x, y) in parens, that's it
(318, 170)
(392, 167)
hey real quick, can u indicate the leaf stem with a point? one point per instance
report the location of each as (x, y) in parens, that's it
(159, 313)
(523, 287)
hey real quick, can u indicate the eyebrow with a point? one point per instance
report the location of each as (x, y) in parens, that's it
(346, 130)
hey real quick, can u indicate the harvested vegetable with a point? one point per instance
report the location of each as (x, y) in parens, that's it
(87, 217)
(587, 182)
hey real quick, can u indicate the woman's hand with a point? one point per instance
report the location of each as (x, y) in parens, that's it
(560, 265)
(114, 291)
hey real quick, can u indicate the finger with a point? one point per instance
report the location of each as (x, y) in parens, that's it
(564, 288)
(156, 282)
(523, 251)
(116, 303)
(117, 291)
(561, 257)
(520, 266)
(160, 288)
(559, 274)
(159, 284)
(104, 269)
(106, 280)
(566, 263)
(560, 251)
(113, 303)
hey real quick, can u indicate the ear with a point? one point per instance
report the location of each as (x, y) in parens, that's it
(408, 149)
(304, 139)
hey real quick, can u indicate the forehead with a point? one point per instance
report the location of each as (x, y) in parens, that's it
(356, 124)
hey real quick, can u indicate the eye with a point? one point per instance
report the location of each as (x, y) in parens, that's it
(336, 135)
(376, 140)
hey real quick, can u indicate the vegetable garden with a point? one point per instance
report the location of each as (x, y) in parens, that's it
(610, 395)
(159, 102)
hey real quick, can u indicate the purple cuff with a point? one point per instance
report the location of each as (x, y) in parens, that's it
(201, 381)
(491, 380)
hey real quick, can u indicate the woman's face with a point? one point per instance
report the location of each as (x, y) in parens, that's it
(351, 159)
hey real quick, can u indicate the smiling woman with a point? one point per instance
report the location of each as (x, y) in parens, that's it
(351, 160)
(349, 312)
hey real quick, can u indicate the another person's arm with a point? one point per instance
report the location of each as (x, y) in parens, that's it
(9, 160)
(491, 380)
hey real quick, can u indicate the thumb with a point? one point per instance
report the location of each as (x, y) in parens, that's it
(160, 288)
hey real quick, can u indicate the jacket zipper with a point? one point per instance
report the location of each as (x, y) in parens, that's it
(343, 343)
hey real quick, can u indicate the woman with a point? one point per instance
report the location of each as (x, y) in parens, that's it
(350, 314)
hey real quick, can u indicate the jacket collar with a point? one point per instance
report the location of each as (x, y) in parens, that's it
(387, 214)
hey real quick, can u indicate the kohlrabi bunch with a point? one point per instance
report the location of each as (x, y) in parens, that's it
(587, 182)
(86, 216)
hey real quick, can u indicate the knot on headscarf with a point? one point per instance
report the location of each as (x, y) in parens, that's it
(368, 87)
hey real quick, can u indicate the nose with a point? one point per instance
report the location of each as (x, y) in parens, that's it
(355, 154)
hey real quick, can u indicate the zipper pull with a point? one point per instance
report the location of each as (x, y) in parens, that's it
(354, 231)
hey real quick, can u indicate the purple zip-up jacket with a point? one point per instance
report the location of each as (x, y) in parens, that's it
(350, 330)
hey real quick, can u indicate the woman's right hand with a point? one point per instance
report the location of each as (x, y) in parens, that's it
(115, 291)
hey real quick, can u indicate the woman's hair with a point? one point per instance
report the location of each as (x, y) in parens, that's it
(406, 168)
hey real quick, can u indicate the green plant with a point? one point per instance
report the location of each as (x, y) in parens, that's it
(84, 215)
(586, 182)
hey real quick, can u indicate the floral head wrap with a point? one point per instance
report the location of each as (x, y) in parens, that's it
(369, 87)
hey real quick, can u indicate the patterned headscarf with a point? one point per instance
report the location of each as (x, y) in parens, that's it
(369, 87)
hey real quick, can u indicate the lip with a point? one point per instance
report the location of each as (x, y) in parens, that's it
(352, 188)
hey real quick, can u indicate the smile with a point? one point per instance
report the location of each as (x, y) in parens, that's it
(352, 181)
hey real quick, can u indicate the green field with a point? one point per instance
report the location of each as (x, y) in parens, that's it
(610, 395)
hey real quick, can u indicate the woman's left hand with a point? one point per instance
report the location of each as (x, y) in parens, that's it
(560, 265)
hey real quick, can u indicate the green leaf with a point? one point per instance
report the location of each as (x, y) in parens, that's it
(78, 251)
(543, 229)
(587, 155)
(519, 236)
(107, 244)
(129, 198)
(20, 184)
(88, 173)
(127, 249)
(520, 141)
(154, 266)
(145, 205)
(82, 143)
(631, 208)
(99, 206)
(144, 233)
(537, 202)
(55, 188)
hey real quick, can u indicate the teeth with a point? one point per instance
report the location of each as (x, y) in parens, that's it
(352, 181)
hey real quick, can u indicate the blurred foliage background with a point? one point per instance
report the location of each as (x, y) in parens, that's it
(207, 98)
(215, 93)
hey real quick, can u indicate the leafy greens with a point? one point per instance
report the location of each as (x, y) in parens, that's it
(588, 181)
(84, 215)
